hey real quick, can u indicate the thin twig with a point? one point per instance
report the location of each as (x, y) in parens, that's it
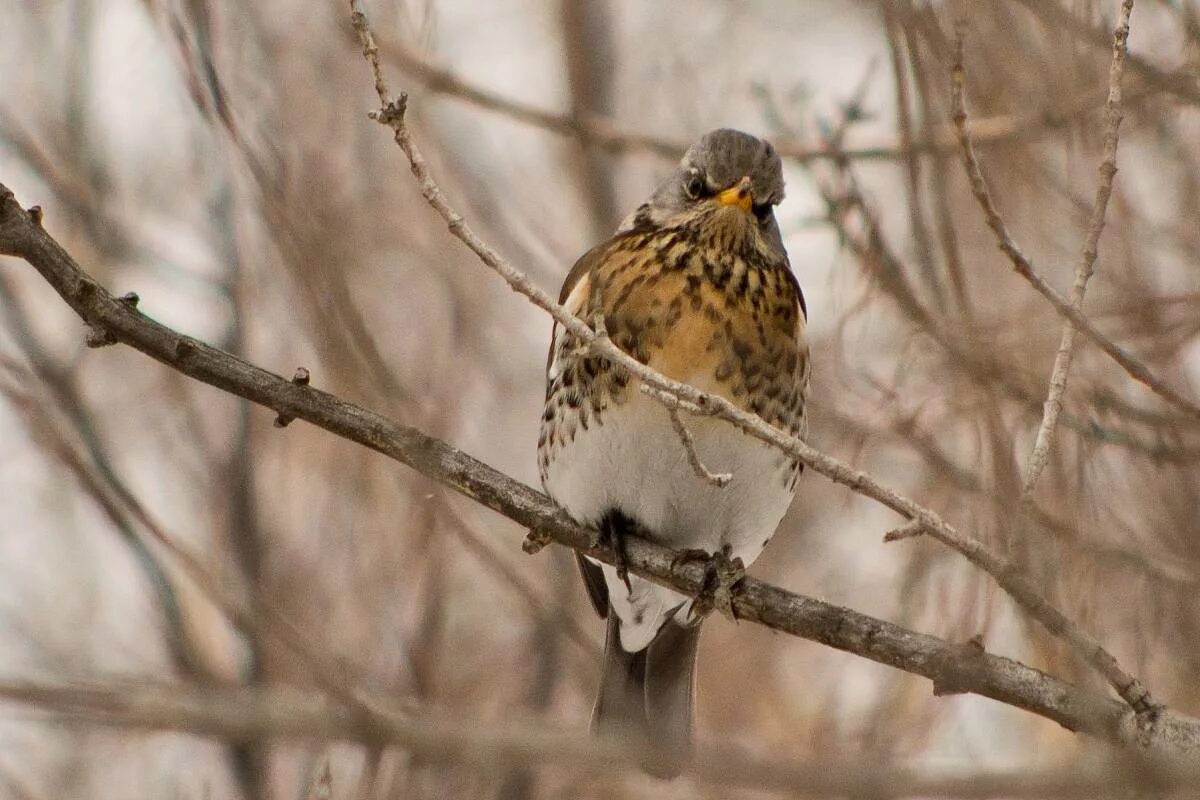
(1006, 574)
(905, 531)
(1087, 256)
(672, 404)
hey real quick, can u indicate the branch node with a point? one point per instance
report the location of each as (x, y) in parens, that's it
(1138, 697)
(299, 378)
(97, 337)
(392, 113)
(184, 348)
(599, 325)
(130, 299)
(1145, 721)
(908, 530)
(35, 214)
(955, 667)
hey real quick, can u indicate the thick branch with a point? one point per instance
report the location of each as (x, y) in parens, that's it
(951, 667)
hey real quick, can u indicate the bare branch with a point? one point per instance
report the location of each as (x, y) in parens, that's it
(672, 404)
(867, 243)
(1174, 737)
(905, 531)
(1087, 257)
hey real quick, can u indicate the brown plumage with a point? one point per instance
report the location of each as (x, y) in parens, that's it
(697, 285)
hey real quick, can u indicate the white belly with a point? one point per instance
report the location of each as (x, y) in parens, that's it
(634, 461)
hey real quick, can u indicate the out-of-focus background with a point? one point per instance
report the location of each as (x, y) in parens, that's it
(216, 158)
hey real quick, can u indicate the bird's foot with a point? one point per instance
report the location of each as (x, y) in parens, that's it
(723, 572)
(613, 531)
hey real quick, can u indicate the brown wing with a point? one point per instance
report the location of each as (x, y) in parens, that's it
(593, 577)
(799, 292)
(581, 269)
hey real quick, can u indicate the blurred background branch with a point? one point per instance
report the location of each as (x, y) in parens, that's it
(254, 714)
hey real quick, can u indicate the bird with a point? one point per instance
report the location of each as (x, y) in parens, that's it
(696, 284)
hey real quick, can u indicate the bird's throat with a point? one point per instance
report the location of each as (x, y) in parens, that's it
(728, 229)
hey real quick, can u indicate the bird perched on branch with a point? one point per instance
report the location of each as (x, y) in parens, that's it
(696, 284)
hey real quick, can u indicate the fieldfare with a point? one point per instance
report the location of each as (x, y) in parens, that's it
(696, 284)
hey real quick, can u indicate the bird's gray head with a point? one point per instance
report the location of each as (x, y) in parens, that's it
(724, 168)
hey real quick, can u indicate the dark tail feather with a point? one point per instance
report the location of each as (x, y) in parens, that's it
(620, 709)
(670, 690)
(648, 695)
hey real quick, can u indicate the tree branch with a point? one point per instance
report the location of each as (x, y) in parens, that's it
(1058, 18)
(865, 240)
(951, 667)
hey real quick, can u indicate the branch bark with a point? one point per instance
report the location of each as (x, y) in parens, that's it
(952, 668)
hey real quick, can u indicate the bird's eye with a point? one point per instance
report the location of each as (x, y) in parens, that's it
(693, 185)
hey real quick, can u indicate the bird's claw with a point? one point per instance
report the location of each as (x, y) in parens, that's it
(722, 574)
(690, 556)
(613, 537)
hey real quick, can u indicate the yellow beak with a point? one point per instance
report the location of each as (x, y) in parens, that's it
(738, 195)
